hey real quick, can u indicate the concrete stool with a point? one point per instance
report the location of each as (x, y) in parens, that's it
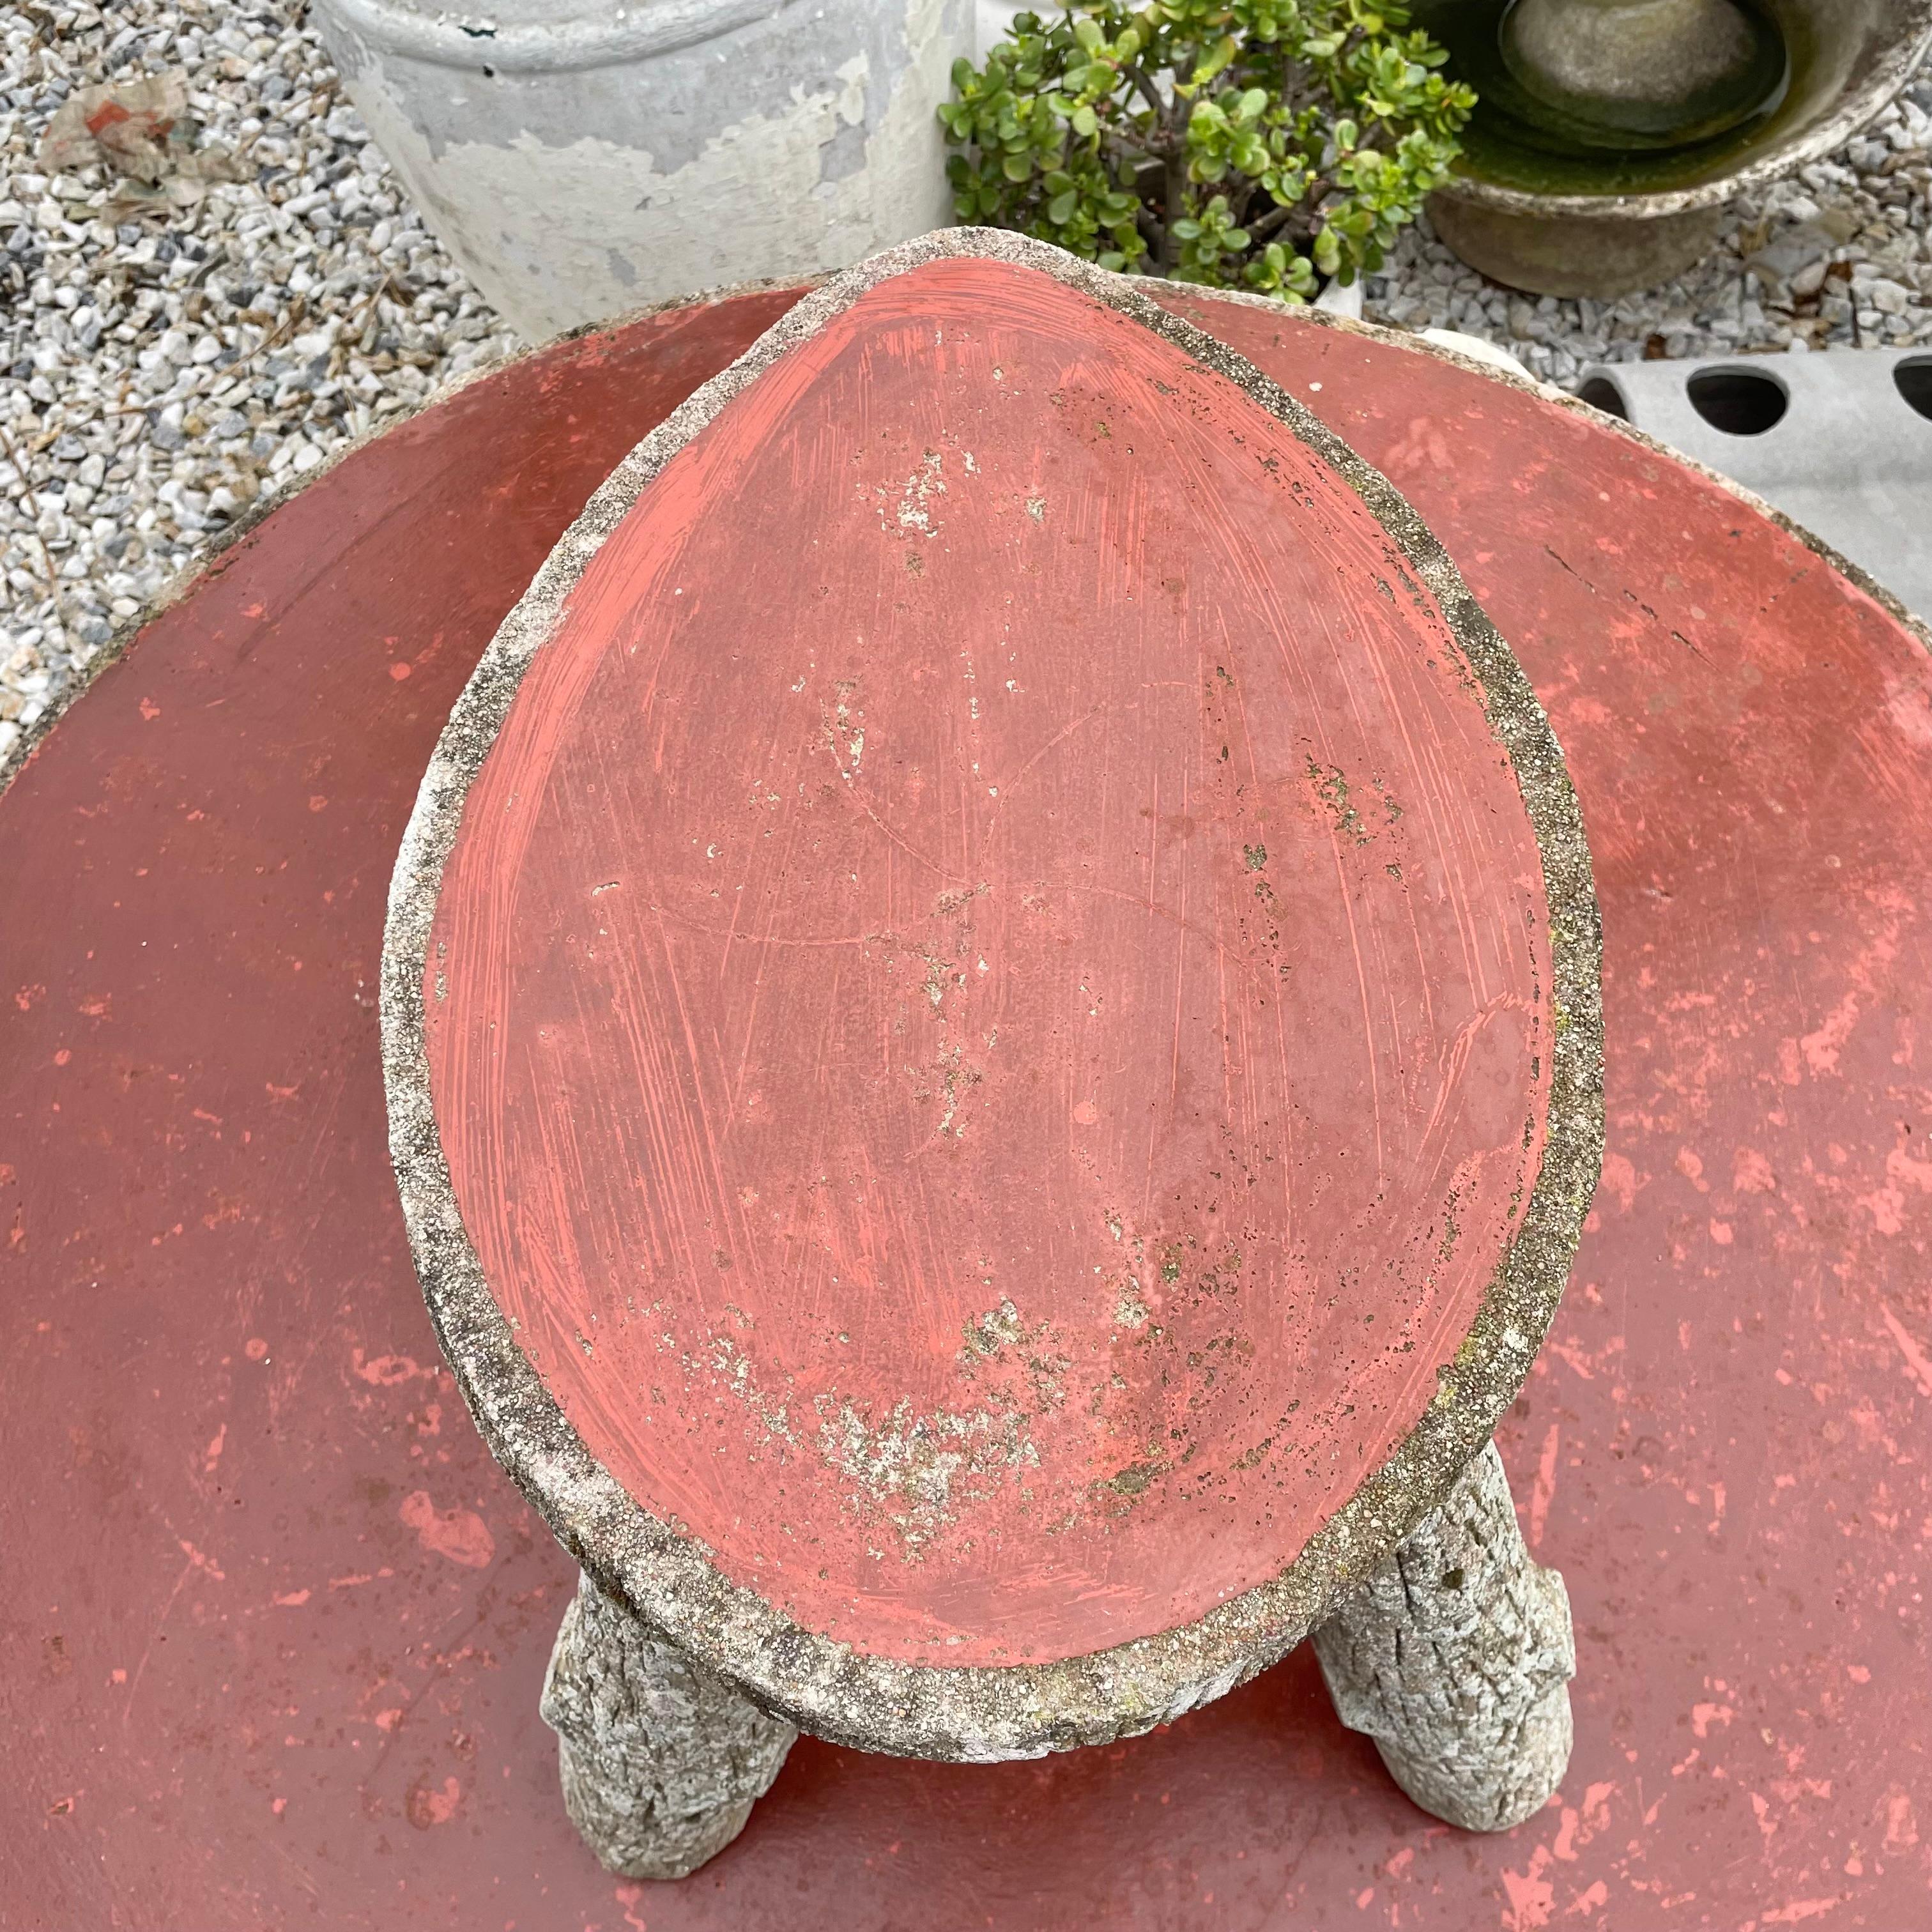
(992, 1024)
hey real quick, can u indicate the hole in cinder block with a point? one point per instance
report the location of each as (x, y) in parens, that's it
(1740, 402)
(1601, 393)
(1913, 379)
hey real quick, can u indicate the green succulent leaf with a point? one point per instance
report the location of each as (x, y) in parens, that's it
(1261, 144)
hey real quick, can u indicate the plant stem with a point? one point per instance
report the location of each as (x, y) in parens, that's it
(1148, 91)
(1173, 191)
(1173, 206)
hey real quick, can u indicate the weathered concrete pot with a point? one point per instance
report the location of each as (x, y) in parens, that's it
(581, 158)
(1858, 55)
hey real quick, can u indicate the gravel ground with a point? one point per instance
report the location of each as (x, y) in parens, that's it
(168, 356)
(162, 367)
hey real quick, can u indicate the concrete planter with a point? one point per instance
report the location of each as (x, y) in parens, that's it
(1859, 54)
(581, 158)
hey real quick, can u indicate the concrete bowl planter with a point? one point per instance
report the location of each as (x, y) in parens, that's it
(1849, 58)
(581, 158)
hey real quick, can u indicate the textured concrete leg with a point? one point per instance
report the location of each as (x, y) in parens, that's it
(662, 1761)
(1456, 1657)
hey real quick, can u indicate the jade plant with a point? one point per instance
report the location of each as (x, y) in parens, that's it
(1245, 143)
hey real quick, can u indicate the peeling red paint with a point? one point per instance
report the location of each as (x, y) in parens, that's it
(430, 1805)
(385, 1371)
(459, 1533)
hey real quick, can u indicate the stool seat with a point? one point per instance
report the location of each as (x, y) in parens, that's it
(988, 1002)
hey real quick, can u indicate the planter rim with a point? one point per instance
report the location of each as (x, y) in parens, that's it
(606, 37)
(1861, 104)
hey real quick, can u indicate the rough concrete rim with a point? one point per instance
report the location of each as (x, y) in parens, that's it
(830, 1689)
(1861, 104)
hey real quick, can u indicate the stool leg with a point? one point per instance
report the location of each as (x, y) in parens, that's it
(1456, 1657)
(662, 1760)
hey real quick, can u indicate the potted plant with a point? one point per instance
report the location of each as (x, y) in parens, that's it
(1253, 144)
(1534, 208)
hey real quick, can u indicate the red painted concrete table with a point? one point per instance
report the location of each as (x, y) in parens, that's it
(993, 1035)
(275, 1625)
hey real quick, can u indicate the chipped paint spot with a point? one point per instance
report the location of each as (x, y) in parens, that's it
(913, 511)
(429, 1805)
(457, 1533)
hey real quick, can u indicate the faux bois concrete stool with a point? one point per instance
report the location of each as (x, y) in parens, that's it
(992, 1022)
